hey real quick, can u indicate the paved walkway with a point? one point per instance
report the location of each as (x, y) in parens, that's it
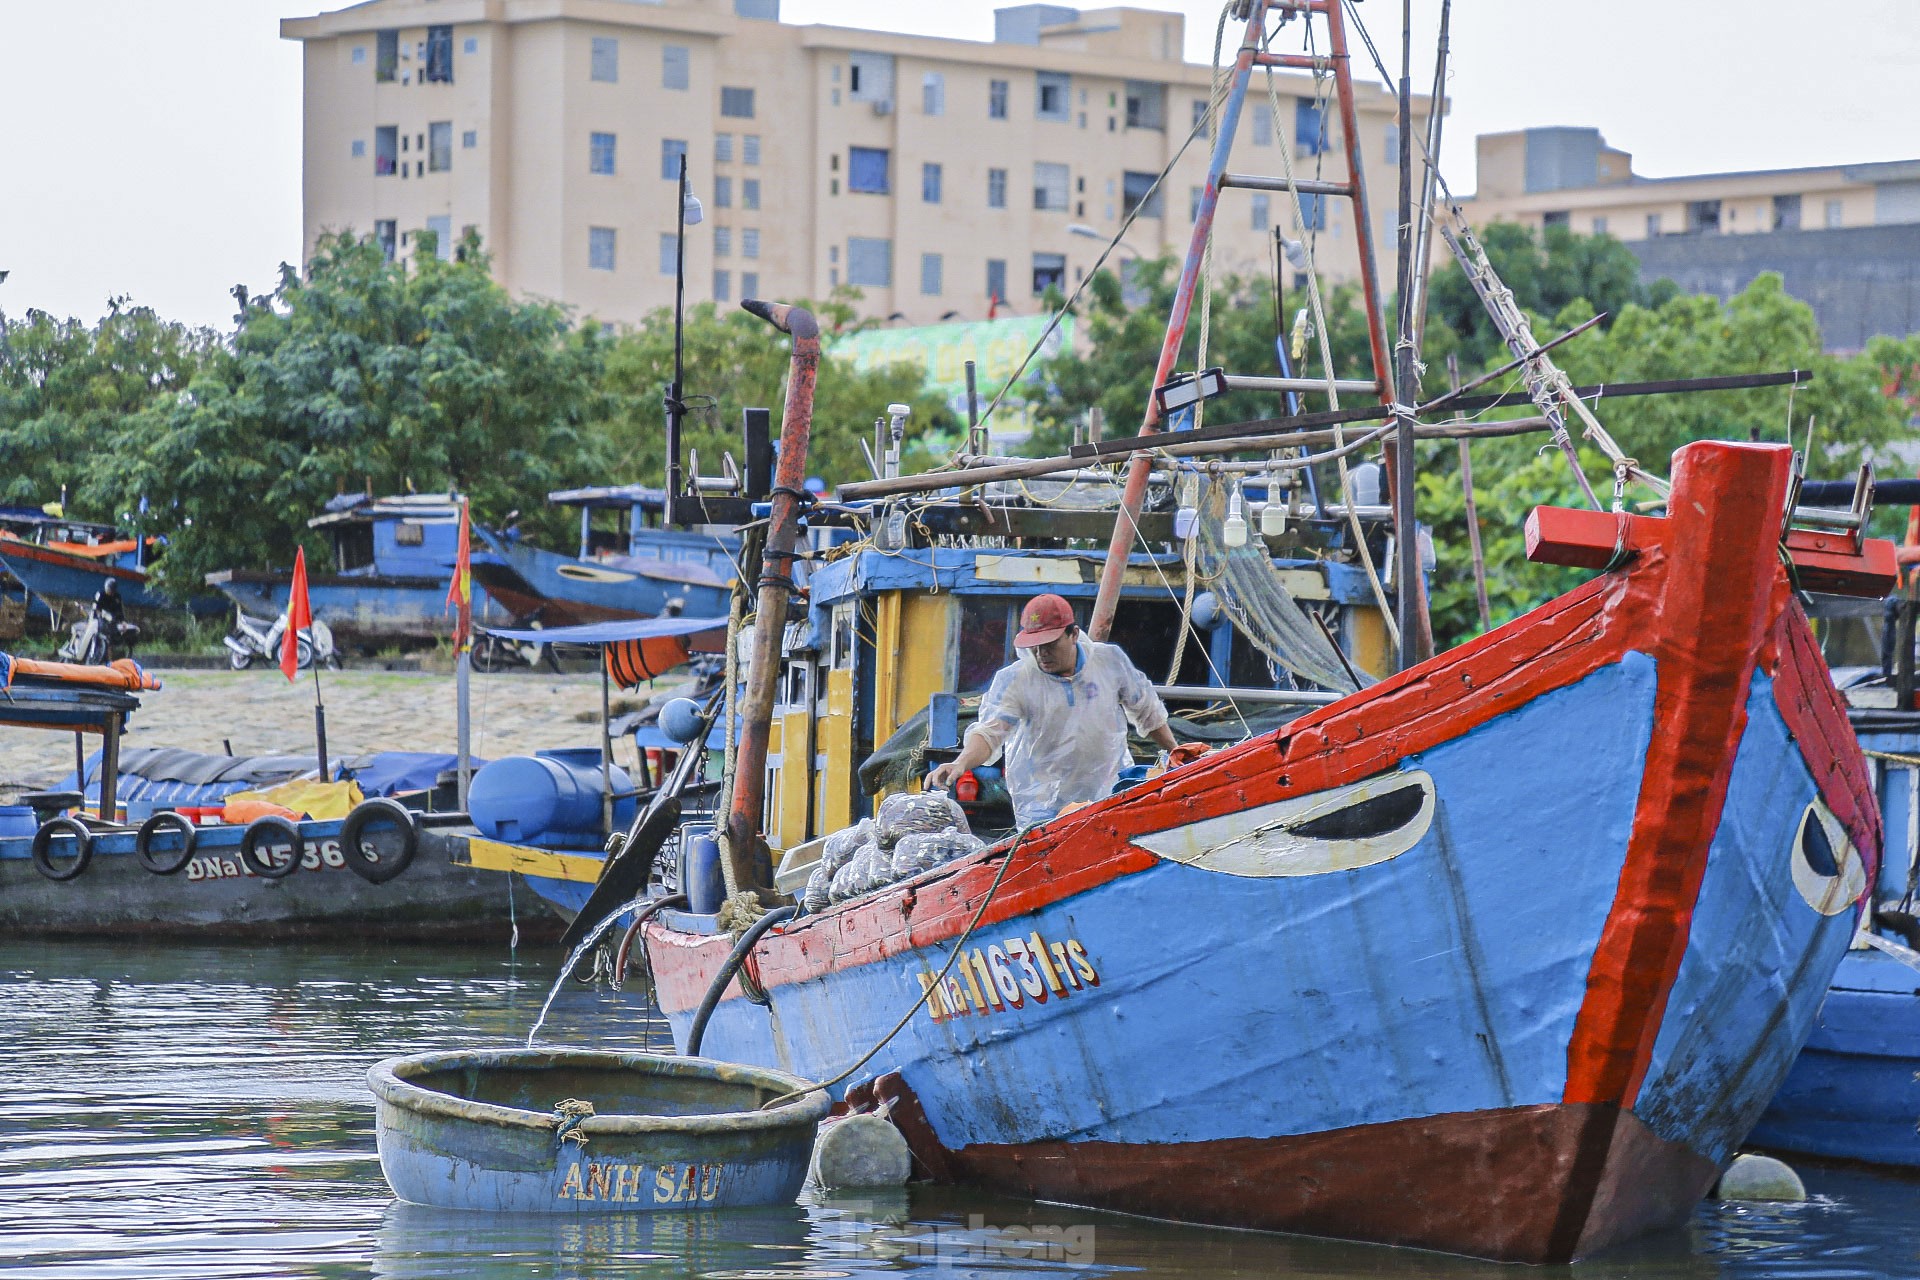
(258, 713)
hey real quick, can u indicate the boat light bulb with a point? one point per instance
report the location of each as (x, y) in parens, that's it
(1235, 529)
(1187, 516)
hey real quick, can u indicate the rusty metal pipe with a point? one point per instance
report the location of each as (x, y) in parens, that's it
(748, 865)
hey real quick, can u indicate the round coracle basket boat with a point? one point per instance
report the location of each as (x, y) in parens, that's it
(584, 1131)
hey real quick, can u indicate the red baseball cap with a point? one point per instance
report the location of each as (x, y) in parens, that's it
(1044, 620)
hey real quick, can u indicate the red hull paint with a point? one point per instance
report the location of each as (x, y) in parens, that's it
(1490, 1183)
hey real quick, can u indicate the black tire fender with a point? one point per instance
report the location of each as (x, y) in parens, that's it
(42, 849)
(271, 830)
(373, 865)
(165, 864)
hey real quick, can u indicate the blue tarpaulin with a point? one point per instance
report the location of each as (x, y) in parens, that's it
(613, 632)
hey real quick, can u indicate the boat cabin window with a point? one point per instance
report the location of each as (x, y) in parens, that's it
(1852, 633)
(841, 651)
(409, 533)
(352, 547)
(1147, 630)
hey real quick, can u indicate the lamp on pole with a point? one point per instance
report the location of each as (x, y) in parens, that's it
(689, 213)
(1084, 231)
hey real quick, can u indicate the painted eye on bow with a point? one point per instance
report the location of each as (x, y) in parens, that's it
(1342, 828)
(1827, 869)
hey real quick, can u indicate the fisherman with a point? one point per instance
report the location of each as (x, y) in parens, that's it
(1060, 711)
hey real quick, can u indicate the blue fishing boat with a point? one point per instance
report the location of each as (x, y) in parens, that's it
(57, 559)
(1854, 1092)
(627, 566)
(393, 560)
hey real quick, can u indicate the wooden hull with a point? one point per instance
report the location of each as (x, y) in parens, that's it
(363, 608)
(1501, 956)
(215, 897)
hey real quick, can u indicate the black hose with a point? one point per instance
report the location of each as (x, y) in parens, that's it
(735, 959)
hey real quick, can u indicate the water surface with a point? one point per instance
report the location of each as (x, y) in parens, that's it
(175, 1111)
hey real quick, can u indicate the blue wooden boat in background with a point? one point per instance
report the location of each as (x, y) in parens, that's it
(57, 559)
(1854, 1092)
(632, 569)
(393, 560)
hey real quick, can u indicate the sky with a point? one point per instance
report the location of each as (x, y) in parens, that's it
(151, 148)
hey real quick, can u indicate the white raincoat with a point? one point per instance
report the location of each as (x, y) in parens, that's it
(1065, 737)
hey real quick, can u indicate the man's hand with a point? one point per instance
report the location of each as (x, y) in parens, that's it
(942, 778)
(974, 751)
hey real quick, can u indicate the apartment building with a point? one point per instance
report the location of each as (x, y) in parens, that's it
(1845, 239)
(944, 178)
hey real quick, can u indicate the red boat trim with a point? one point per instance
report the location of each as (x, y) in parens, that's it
(68, 560)
(1816, 715)
(1711, 610)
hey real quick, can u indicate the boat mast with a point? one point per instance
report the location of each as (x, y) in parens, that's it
(1252, 53)
(1406, 377)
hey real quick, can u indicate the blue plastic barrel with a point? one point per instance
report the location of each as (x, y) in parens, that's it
(701, 877)
(550, 798)
(17, 820)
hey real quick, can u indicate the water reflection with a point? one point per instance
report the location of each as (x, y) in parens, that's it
(201, 1112)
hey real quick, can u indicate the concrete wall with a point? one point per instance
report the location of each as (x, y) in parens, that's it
(1860, 281)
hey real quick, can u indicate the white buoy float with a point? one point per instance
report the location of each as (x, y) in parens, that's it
(857, 1151)
(1752, 1177)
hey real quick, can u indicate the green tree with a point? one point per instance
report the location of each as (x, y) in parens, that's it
(362, 373)
(68, 388)
(1546, 272)
(735, 361)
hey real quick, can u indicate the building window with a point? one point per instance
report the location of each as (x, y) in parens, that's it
(1262, 125)
(471, 45)
(723, 193)
(723, 148)
(600, 249)
(723, 242)
(996, 99)
(996, 188)
(737, 103)
(867, 170)
(1703, 216)
(750, 148)
(1599, 226)
(1262, 215)
(1391, 147)
(673, 153)
(1786, 213)
(723, 286)
(359, 148)
(469, 139)
(386, 150)
(749, 284)
(440, 146)
(441, 229)
(1834, 213)
(1050, 185)
(600, 154)
(1137, 192)
(750, 193)
(676, 62)
(1313, 213)
(870, 77)
(1309, 127)
(359, 54)
(997, 279)
(870, 262)
(669, 253)
(750, 242)
(1052, 93)
(1049, 272)
(1199, 112)
(603, 62)
(1557, 218)
(930, 183)
(930, 268)
(439, 68)
(1146, 105)
(1653, 225)
(386, 56)
(933, 94)
(383, 235)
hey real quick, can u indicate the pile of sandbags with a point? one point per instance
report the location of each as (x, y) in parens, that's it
(912, 833)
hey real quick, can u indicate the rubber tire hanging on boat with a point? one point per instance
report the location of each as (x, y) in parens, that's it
(279, 831)
(375, 867)
(165, 864)
(42, 848)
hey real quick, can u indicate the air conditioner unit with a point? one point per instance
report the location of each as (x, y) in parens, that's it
(883, 106)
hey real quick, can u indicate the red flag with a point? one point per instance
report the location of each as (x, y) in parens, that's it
(299, 617)
(460, 590)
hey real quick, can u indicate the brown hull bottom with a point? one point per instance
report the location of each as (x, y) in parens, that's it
(1542, 1184)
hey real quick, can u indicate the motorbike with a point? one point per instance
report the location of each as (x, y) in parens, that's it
(497, 653)
(97, 639)
(252, 640)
